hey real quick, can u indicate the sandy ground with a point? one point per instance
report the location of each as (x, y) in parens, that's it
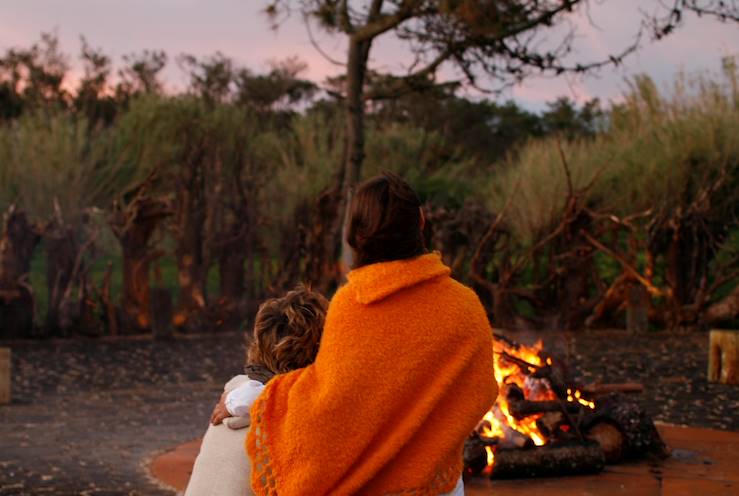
(87, 415)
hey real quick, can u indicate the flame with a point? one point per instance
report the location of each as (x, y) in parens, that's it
(491, 455)
(498, 421)
(577, 397)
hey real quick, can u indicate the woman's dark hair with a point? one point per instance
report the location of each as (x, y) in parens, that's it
(384, 221)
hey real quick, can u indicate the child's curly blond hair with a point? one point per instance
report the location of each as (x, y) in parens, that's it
(287, 330)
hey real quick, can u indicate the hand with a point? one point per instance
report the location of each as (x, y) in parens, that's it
(220, 412)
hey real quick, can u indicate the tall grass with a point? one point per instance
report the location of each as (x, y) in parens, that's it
(659, 149)
(300, 161)
(423, 158)
(48, 158)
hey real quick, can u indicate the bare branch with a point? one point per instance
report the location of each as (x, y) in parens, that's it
(344, 21)
(655, 291)
(384, 23)
(315, 44)
(566, 168)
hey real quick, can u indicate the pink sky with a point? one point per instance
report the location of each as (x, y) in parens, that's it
(238, 29)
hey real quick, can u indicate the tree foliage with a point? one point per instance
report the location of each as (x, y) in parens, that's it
(228, 192)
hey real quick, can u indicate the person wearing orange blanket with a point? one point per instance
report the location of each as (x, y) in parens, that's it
(403, 374)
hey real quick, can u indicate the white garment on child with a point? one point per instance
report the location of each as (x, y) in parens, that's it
(222, 467)
(240, 400)
(458, 489)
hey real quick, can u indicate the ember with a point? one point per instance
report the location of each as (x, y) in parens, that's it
(541, 426)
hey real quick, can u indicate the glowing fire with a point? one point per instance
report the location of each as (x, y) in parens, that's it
(498, 423)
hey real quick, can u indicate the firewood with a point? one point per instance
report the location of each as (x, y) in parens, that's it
(512, 439)
(520, 407)
(609, 438)
(552, 375)
(555, 379)
(606, 389)
(475, 456)
(549, 460)
(550, 422)
(723, 357)
(524, 408)
(640, 435)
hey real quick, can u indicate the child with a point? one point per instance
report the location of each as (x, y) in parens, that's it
(287, 332)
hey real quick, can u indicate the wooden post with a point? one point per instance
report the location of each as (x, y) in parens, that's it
(4, 376)
(723, 357)
(637, 309)
(161, 312)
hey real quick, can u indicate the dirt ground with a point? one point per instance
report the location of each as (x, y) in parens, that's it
(87, 415)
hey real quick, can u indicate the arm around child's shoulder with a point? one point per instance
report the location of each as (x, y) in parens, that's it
(240, 399)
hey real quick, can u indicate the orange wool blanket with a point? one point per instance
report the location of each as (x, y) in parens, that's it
(403, 375)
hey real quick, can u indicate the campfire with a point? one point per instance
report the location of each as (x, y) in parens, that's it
(542, 425)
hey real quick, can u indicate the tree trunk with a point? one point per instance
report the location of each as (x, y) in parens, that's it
(5, 371)
(106, 302)
(161, 311)
(191, 278)
(61, 252)
(232, 275)
(321, 243)
(356, 71)
(726, 309)
(134, 225)
(573, 295)
(18, 240)
(135, 297)
(191, 263)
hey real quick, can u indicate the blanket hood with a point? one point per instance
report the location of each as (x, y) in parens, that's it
(375, 282)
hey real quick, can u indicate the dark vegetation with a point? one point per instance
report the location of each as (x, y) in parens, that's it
(131, 209)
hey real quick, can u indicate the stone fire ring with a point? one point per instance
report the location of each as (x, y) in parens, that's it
(704, 462)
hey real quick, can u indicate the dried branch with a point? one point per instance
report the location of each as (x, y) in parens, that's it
(653, 290)
(565, 166)
(317, 46)
(380, 24)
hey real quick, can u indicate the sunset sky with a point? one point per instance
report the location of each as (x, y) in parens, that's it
(239, 29)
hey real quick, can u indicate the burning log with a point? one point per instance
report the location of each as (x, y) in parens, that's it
(524, 408)
(520, 407)
(551, 423)
(550, 460)
(474, 455)
(609, 438)
(512, 439)
(545, 371)
(640, 436)
(573, 434)
(606, 389)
